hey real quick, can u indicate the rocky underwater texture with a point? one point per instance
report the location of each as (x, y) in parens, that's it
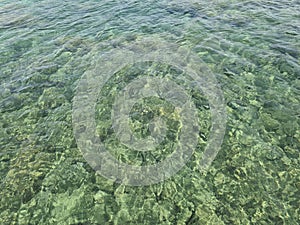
(251, 47)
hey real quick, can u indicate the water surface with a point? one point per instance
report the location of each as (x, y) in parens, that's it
(252, 47)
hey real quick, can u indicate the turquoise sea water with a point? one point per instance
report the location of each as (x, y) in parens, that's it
(251, 47)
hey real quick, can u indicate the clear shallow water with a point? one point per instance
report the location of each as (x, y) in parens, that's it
(252, 47)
